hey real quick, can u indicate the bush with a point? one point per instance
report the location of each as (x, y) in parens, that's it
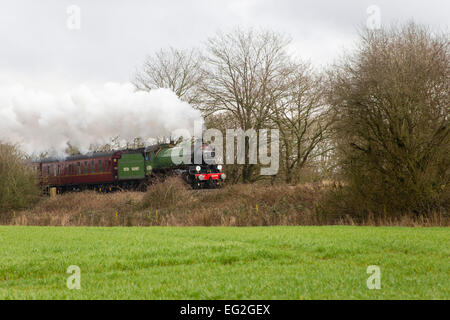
(18, 181)
(169, 193)
(391, 103)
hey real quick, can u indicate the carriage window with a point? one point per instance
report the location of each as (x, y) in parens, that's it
(100, 167)
(59, 170)
(78, 168)
(86, 170)
(93, 166)
(54, 170)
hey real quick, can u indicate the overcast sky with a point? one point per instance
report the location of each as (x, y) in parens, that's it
(36, 46)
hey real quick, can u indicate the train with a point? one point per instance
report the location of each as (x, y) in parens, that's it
(130, 169)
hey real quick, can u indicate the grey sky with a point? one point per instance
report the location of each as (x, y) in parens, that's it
(115, 36)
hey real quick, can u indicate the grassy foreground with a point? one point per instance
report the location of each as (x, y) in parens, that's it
(224, 263)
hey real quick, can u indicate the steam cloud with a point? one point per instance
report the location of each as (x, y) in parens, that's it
(40, 121)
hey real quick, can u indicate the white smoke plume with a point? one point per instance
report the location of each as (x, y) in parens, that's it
(39, 121)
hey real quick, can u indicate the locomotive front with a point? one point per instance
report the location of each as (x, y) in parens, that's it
(207, 174)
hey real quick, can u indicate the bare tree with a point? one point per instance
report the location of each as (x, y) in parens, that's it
(302, 118)
(244, 75)
(178, 70)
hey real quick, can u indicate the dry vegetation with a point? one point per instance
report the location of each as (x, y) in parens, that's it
(172, 204)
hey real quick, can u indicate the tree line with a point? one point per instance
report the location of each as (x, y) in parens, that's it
(376, 121)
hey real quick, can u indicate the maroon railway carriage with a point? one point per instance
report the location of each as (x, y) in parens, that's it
(96, 171)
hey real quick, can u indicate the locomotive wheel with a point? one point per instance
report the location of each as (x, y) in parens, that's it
(142, 187)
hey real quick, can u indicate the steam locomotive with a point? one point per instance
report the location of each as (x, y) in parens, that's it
(130, 169)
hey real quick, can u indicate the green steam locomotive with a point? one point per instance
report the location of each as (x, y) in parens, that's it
(133, 169)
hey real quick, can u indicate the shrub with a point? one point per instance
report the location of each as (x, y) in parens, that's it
(391, 102)
(169, 193)
(18, 181)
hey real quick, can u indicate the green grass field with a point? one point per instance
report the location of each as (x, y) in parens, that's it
(224, 263)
